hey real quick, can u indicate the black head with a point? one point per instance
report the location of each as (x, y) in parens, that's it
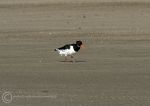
(79, 43)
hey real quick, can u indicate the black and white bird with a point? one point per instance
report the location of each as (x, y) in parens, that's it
(69, 49)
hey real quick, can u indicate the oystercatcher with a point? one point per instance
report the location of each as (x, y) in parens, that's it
(69, 49)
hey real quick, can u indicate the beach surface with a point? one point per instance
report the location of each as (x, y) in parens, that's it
(112, 70)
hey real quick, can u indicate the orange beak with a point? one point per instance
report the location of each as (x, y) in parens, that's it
(82, 46)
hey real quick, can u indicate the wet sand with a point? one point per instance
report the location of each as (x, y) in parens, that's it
(112, 69)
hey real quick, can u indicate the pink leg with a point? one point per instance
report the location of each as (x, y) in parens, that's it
(65, 58)
(73, 59)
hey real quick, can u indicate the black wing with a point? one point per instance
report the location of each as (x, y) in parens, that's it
(64, 47)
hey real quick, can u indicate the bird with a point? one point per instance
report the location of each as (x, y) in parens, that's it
(69, 49)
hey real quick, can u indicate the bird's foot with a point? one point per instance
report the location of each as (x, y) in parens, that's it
(72, 57)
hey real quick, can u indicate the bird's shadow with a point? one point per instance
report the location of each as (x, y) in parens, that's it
(77, 61)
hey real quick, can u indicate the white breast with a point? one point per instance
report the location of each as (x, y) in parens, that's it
(67, 51)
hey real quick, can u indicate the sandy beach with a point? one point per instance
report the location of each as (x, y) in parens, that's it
(112, 69)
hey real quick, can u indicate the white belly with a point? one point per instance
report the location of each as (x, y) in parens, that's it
(67, 51)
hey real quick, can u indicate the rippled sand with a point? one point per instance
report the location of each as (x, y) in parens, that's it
(112, 69)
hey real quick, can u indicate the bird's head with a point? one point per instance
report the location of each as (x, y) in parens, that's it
(79, 43)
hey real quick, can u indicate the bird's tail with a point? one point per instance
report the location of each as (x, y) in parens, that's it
(55, 49)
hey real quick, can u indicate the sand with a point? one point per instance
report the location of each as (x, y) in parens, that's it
(112, 69)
